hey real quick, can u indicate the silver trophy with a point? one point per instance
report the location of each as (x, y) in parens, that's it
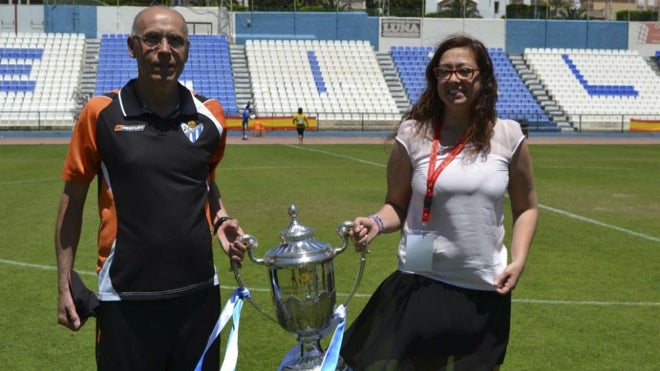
(302, 281)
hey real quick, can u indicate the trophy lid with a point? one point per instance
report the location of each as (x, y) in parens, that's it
(298, 246)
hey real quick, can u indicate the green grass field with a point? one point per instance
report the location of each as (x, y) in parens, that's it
(589, 298)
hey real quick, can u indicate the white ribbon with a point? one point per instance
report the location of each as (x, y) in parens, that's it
(232, 310)
(331, 357)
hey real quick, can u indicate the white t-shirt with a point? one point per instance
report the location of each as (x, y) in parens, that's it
(467, 210)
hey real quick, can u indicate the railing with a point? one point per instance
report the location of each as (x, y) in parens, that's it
(37, 120)
(608, 123)
(375, 121)
(351, 121)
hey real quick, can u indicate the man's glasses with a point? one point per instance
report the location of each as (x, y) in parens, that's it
(154, 41)
(464, 73)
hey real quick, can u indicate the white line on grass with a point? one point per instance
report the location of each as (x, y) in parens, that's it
(528, 301)
(599, 303)
(24, 181)
(593, 221)
(335, 155)
(38, 266)
(558, 211)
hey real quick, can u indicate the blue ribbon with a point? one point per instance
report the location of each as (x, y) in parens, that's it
(232, 310)
(331, 357)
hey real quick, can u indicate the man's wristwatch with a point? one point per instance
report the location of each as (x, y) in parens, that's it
(219, 222)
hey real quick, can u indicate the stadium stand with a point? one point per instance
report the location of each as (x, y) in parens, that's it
(40, 80)
(40, 77)
(340, 80)
(410, 62)
(514, 101)
(208, 70)
(115, 66)
(598, 89)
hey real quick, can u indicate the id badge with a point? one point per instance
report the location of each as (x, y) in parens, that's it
(419, 252)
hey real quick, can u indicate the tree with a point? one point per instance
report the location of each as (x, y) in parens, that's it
(637, 15)
(458, 9)
(556, 6)
(300, 5)
(407, 8)
(572, 13)
(522, 11)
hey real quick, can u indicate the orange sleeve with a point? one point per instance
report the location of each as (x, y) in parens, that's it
(216, 109)
(82, 160)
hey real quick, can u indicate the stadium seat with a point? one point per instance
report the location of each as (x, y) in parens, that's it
(332, 78)
(515, 101)
(208, 67)
(583, 85)
(42, 70)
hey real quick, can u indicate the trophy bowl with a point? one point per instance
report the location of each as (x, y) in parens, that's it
(302, 283)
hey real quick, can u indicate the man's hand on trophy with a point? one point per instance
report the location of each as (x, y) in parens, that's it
(237, 252)
(228, 232)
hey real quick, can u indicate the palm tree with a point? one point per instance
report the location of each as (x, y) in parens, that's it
(572, 13)
(459, 9)
(556, 6)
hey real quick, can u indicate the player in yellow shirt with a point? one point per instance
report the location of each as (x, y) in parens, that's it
(301, 123)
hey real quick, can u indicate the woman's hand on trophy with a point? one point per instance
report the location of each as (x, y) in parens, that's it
(364, 230)
(228, 233)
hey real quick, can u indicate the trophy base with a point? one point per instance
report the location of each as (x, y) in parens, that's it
(308, 361)
(312, 365)
(309, 364)
(310, 357)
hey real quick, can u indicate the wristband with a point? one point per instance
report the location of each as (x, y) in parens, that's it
(379, 223)
(219, 222)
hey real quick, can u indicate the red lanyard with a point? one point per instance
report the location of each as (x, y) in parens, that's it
(434, 172)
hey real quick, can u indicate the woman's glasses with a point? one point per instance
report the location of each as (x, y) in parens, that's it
(464, 73)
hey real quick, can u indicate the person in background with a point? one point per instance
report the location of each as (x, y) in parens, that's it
(448, 304)
(301, 123)
(247, 112)
(154, 147)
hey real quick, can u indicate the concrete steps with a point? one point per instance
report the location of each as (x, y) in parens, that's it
(242, 83)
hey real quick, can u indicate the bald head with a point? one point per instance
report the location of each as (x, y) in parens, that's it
(159, 43)
(156, 13)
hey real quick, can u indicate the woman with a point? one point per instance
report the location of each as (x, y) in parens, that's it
(448, 304)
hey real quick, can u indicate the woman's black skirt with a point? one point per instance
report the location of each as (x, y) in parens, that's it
(415, 323)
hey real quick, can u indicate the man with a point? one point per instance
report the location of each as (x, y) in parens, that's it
(154, 146)
(247, 112)
(300, 122)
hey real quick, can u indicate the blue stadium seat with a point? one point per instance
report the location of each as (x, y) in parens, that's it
(515, 101)
(209, 65)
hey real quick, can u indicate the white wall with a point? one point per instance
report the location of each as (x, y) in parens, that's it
(434, 30)
(21, 18)
(120, 19)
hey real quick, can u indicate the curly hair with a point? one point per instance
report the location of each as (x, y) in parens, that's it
(429, 108)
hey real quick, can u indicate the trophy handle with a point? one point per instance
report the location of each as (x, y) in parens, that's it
(342, 231)
(251, 243)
